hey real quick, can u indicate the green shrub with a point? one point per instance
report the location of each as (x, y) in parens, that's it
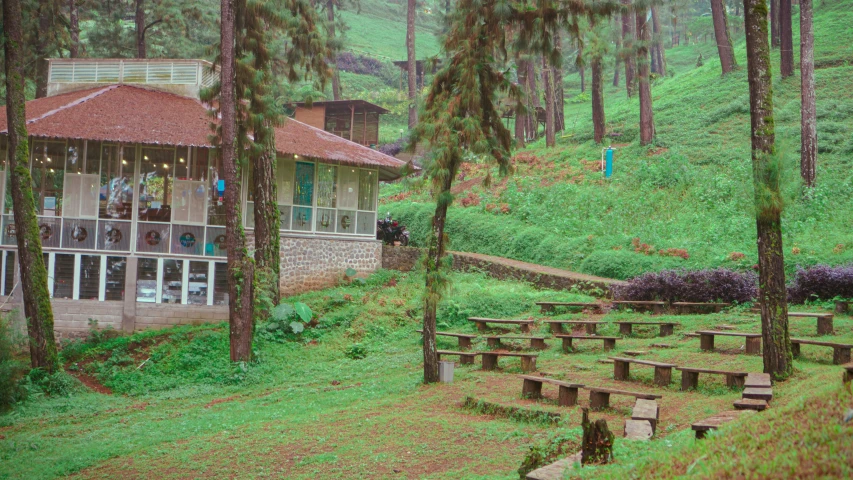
(623, 264)
(12, 371)
(356, 351)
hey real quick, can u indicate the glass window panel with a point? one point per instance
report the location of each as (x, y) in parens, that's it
(146, 280)
(116, 193)
(9, 274)
(77, 233)
(116, 272)
(50, 231)
(155, 185)
(197, 289)
(79, 161)
(215, 242)
(348, 189)
(81, 195)
(367, 184)
(285, 172)
(189, 201)
(327, 186)
(152, 238)
(63, 276)
(220, 284)
(173, 278)
(301, 219)
(4, 148)
(7, 189)
(284, 217)
(188, 239)
(9, 237)
(216, 205)
(366, 223)
(346, 221)
(325, 220)
(90, 277)
(249, 221)
(303, 191)
(114, 235)
(48, 175)
(182, 163)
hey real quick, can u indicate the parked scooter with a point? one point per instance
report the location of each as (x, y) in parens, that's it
(391, 232)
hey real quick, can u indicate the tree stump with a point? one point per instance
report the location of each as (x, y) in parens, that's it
(597, 446)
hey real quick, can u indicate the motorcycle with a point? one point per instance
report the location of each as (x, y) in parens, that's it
(391, 232)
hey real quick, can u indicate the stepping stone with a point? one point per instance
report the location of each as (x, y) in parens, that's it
(712, 423)
(758, 393)
(646, 410)
(635, 353)
(750, 404)
(661, 345)
(555, 470)
(638, 429)
(759, 380)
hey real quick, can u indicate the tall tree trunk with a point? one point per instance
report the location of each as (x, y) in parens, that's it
(559, 91)
(765, 167)
(647, 124)
(37, 306)
(411, 63)
(533, 103)
(521, 117)
(267, 244)
(660, 56)
(598, 121)
(336, 75)
(45, 13)
(435, 283)
(721, 33)
(550, 135)
(239, 265)
(674, 38)
(616, 73)
(786, 33)
(140, 29)
(616, 65)
(74, 28)
(808, 155)
(582, 69)
(628, 47)
(775, 36)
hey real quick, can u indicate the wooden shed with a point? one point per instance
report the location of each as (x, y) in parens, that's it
(355, 120)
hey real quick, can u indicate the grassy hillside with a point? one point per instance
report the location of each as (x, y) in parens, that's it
(689, 191)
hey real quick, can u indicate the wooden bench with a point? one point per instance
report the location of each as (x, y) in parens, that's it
(848, 373)
(840, 351)
(600, 397)
(687, 307)
(655, 307)
(663, 371)
(842, 306)
(824, 320)
(609, 342)
(590, 325)
(666, 328)
(482, 323)
(753, 340)
(538, 343)
(464, 357)
(545, 307)
(568, 392)
(690, 377)
(528, 360)
(464, 338)
(712, 423)
(646, 410)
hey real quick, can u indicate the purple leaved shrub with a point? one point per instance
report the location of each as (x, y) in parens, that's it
(392, 148)
(364, 65)
(821, 282)
(713, 285)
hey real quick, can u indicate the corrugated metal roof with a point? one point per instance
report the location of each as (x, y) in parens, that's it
(131, 114)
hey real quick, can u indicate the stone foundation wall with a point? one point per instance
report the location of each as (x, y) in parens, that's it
(153, 315)
(314, 263)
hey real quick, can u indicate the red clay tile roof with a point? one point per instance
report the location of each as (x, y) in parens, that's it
(125, 113)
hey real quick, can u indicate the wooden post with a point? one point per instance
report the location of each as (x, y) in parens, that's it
(689, 380)
(525, 327)
(706, 342)
(531, 389)
(528, 364)
(556, 328)
(464, 343)
(795, 349)
(481, 326)
(567, 345)
(545, 308)
(493, 342)
(598, 400)
(490, 361)
(621, 369)
(625, 329)
(609, 344)
(538, 343)
(824, 325)
(666, 330)
(466, 359)
(735, 381)
(753, 345)
(351, 121)
(568, 396)
(591, 328)
(840, 355)
(663, 376)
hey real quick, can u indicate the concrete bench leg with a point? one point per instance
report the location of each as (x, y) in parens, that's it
(599, 400)
(609, 344)
(591, 328)
(735, 381)
(657, 309)
(528, 364)
(567, 345)
(493, 342)
(525, 328)
(621, 370)
(538, 343)
(481, 326)
(753, 346)
(556, 328)
(689, 380)
(824, 326)
(531, 389)
(464, 343)
(466, 359)
(568, 396)
(706, 342)
(625, 329)
(795, 350)
(840, 355)
(546, 308)
(848, 376)
(700, 434)
(663, 376)
(666, 330)
(490, 361)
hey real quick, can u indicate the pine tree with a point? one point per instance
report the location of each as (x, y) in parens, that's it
(808, 155)
(722, 35)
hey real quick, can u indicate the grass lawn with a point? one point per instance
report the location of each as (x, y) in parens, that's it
(310, 408)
